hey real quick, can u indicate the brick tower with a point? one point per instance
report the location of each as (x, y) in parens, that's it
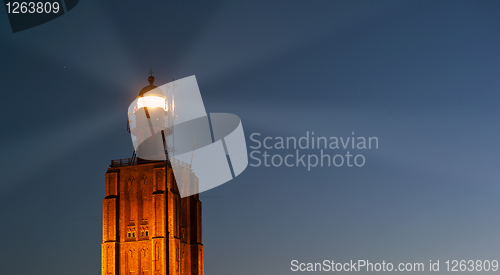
(148, 229)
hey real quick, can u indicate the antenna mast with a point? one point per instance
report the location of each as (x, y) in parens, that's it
(192, 154)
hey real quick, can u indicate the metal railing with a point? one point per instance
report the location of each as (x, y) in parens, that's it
(180, 163)
(133, 161)
(123, 162)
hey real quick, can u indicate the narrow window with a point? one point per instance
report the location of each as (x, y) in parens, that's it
(147, 233)
(128, 235)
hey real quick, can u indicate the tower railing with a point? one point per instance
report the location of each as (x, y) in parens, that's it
(135, 161)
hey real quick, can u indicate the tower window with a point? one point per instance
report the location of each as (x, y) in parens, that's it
(147, 233)
(133, 234)
(128, 235)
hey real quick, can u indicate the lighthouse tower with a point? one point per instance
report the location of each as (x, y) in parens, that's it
(147, 228)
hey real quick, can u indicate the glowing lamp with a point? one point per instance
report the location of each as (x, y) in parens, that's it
(154, 106)
(152, 102)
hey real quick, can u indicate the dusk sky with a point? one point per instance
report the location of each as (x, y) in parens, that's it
(421, 76)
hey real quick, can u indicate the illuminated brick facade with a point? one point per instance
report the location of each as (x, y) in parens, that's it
(147, 228)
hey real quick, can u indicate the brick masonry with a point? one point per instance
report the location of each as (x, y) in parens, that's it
(147, 228)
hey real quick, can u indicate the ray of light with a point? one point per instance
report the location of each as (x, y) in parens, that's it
(78, 50)
(240, 35)
(42, 150)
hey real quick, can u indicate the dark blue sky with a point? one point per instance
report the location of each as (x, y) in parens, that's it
(422, 76)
